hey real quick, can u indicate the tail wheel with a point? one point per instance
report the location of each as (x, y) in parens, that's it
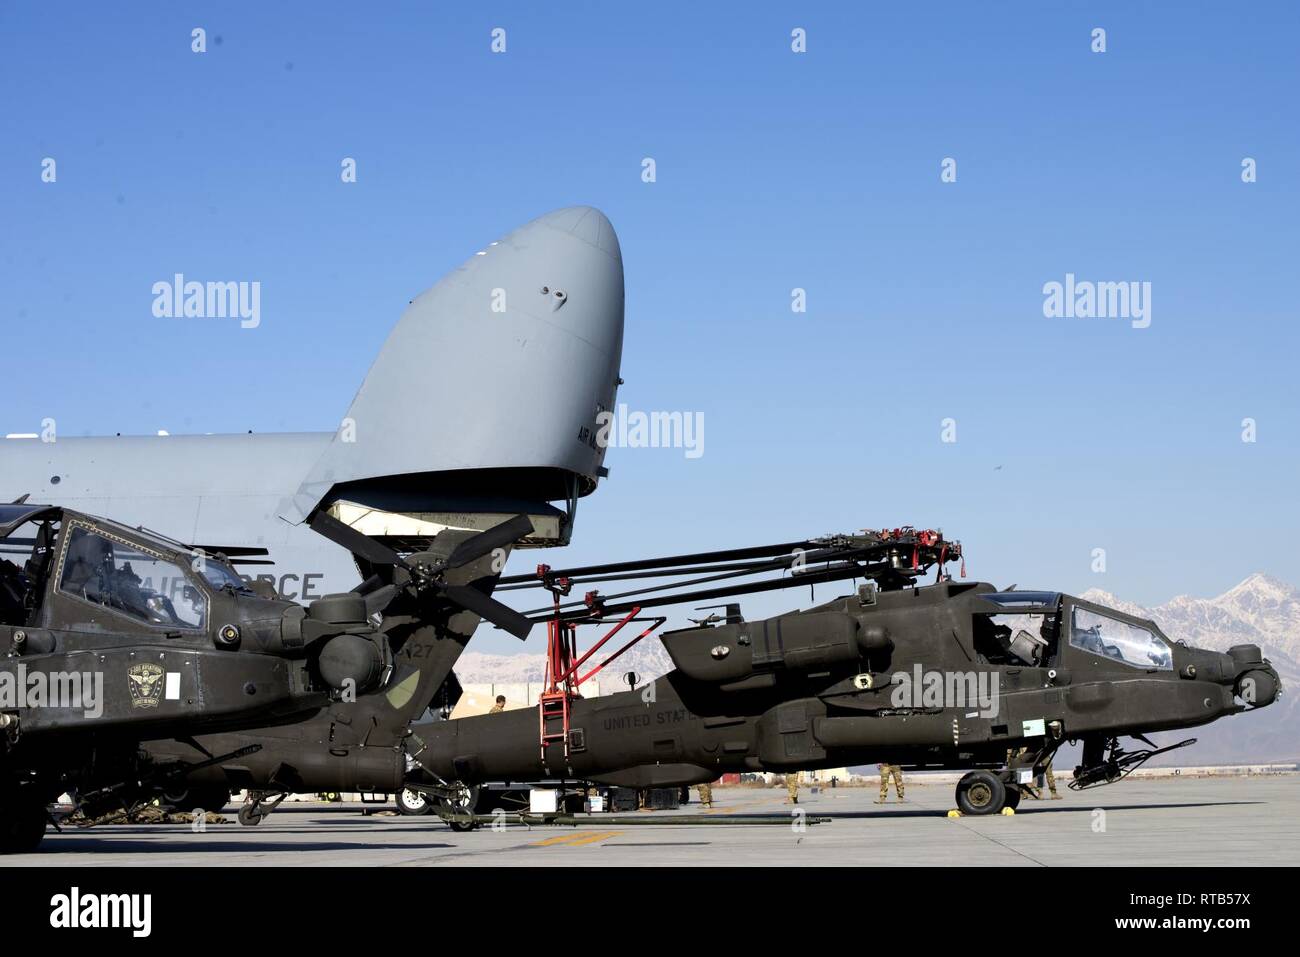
(250, 816)
(413, 802)
(463, 806)
(981, 792)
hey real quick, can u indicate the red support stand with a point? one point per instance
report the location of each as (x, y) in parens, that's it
(561, 681)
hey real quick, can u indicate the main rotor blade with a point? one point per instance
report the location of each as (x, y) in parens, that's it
(507, 533)
(358, 544)
(488, 608)
(367, 586)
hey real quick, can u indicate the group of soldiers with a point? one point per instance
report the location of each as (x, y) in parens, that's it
(888, 772)
(792, 786)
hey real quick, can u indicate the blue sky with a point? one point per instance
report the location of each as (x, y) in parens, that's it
(775, 171)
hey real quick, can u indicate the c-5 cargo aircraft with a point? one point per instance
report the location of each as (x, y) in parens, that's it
(482, 405)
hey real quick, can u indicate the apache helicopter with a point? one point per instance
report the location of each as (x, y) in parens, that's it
(950, 675)
(135, 665)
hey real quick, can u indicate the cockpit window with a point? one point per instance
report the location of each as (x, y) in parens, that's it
(118, 575)
(1021, 636)
(219, 574)
(1119, 640)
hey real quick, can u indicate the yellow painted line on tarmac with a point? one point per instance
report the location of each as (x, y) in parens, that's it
(593, 838)
(731, 809)
(576, 839)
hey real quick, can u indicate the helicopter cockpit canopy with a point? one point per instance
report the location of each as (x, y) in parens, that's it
(130, 577)
(1020, 628)
(134, 572)
(1119, 640)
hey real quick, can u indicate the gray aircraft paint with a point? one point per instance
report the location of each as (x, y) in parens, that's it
(478, 374)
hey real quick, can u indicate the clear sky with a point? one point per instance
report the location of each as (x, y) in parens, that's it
(775, 170)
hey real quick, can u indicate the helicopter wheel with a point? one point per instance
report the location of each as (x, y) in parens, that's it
(250, 816)
(465, 803)
(412, 802)
(981, 792)
(22, 822)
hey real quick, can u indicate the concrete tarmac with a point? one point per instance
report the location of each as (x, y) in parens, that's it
(1236, 822)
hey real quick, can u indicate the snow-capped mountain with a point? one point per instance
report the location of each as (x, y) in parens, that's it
(1261, 610)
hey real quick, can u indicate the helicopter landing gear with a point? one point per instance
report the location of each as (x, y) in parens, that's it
(259, 805)
(412, 802)
(982, 792)
(458, 807)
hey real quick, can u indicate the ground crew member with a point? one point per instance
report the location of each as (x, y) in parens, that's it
(1047, 770)
(1012, 755)
(886, 772)
(792, 787)
(1051, 779)
(499, 706)
(706, 795)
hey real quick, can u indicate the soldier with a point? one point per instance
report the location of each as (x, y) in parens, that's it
(1012, 755)
(1051, 779)
(886, 772)
(706, 795)
(499, 706)
(792, 787)
(1035, 792)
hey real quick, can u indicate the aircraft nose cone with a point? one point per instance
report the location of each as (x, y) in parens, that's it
(496, 373)
(564, 268)
(587, 224)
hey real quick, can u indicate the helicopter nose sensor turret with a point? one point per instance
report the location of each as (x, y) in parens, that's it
(1256, 682)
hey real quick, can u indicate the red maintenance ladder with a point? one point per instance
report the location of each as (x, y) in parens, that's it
(562, 681)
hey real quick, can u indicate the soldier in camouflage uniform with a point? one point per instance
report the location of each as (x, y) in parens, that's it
(1047, 770)
(499, 706)
(1051, 779)
(706, 795)
(792, 787)
(886, 772)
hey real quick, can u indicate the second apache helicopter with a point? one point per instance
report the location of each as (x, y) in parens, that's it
(944, 676)
(135, 665)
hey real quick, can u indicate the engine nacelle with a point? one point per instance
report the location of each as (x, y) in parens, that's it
(803, 642)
